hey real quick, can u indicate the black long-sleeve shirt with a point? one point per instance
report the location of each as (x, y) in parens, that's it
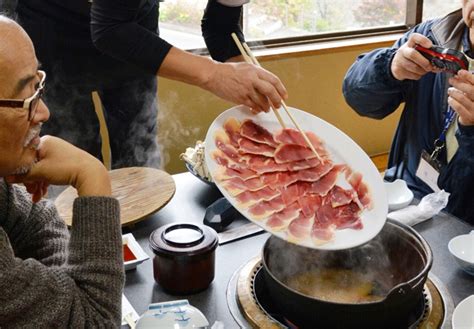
(127, 30)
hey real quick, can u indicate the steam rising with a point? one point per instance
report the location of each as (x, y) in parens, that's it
(386, 261)
(172, 131)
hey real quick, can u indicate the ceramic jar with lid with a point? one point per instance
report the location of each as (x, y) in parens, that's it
(184, 261)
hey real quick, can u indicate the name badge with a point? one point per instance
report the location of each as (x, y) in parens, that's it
(428, 171)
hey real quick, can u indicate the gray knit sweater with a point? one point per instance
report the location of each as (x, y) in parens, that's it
(50, 278)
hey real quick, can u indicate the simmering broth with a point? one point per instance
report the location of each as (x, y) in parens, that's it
(335, 285)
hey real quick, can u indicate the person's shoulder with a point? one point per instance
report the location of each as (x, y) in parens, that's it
(426, 26)
(448, 20)
(233, 3)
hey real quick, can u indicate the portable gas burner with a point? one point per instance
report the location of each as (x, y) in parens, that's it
(250, 306)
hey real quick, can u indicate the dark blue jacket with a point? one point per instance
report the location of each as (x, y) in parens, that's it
(371, 90)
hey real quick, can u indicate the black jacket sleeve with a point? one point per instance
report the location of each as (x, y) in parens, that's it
(126, 30)
(217, 25)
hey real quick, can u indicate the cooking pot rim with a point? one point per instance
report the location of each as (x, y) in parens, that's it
(416, 278)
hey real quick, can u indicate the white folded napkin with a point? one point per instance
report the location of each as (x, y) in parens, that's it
(428, 207)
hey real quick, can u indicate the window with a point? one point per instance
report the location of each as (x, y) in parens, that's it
(295, 21)
(180, 23)
(270, 19)
(439, 8)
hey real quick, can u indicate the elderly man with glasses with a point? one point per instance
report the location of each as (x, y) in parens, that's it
(50, 278)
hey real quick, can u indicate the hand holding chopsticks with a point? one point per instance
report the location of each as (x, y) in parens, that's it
(250, 58)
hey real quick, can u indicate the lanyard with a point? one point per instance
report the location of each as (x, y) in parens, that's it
(440, 142)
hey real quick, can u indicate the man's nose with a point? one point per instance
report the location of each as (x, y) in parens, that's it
(42, 113)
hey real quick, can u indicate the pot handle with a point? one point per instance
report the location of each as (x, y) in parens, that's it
(401, 289)
(421, 280)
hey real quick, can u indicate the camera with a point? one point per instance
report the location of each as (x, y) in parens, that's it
(446, 59)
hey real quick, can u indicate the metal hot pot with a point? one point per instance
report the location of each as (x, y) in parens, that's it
(397, 260)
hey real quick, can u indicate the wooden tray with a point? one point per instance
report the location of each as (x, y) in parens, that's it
(140, 191)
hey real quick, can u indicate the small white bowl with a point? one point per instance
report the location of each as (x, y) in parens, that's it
(398, 194)
(463, 315)
(462, 248)
(139, 254)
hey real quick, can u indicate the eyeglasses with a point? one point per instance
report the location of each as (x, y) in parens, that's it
(30, 103)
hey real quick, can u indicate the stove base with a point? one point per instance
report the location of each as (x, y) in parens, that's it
(250, 308)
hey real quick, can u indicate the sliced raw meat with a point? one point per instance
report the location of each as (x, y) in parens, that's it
(322, 235)
(237, 185)
(326, 183)
(349, 217)
(309, 204)
(279, 180)
(300, 227)
(355, 179)
(229, 168)
(249, 146)
(257, 133)
(290, 193)
(224, 160)
(262, 165)
(293, 136)
(242, 173)
(232, 129)
(280, 220)
(284, 179)
(339, 196)
(276, 224)
(249, 198)
(270, 179)
(223, 143)
(266, 208)
(346, 216)
(313, 174)
(290, 152)
(303, 164)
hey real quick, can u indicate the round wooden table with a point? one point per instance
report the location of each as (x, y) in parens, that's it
(140, 191)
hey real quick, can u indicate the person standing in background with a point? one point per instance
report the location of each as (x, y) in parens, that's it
(113, 47)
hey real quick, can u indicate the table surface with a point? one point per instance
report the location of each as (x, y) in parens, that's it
(188, 205)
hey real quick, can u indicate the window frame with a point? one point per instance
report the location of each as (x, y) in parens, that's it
(414, 10)
(414, 16)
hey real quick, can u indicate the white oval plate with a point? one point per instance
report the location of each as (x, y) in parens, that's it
(343, 150)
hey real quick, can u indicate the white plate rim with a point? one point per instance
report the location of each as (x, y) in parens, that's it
(354, 156)
(459, 308)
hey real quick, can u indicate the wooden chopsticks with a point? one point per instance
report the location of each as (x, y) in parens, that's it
(250, 58)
